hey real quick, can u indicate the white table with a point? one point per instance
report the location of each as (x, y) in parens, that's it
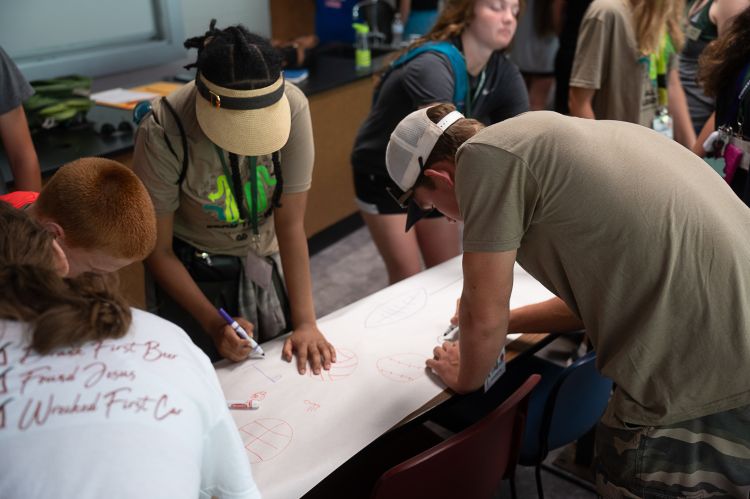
(307, 425)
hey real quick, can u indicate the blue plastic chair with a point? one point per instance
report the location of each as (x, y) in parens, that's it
(565, 405)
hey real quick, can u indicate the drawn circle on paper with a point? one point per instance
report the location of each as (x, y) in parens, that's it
(345, 365)
(397, 309)
(266, 438)
(402, 367)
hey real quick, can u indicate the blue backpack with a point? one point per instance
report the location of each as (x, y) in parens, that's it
(456, 59)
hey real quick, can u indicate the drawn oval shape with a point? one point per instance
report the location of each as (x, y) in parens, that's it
(397, 309)
(402, 367)
(266, 438)
(345, 365)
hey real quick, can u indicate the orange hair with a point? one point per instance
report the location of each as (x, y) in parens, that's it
(101, 205)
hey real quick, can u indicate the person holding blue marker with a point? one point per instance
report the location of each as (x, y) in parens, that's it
(228, 162)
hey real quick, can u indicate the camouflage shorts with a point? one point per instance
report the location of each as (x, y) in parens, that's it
(703, 457)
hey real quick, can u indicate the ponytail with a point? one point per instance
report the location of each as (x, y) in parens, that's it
(60, 312)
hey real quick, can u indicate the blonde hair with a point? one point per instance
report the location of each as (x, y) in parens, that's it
(652, 18)
(101, 205)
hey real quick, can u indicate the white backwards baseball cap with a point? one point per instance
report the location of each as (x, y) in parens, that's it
(411, 144)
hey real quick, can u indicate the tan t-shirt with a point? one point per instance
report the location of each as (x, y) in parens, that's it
(642, 240)
(205, 211)
(608, 60)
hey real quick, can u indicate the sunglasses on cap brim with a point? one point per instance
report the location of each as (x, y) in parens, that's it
(403, 198)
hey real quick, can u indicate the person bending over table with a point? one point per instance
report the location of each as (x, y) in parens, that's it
(228, 162)
(641, 241)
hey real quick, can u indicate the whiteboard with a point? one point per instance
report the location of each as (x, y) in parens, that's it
(307, 425)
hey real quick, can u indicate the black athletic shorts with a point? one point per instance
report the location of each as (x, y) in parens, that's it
(372, 196)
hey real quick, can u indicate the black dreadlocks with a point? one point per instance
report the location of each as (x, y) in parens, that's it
(237, 59)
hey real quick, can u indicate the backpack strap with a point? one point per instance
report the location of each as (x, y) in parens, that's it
(183, 139)
(457, 61)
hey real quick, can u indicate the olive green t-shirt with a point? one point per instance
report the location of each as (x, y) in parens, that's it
(206, 214)
(642, 240)
(608, 60)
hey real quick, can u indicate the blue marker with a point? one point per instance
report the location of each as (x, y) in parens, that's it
(241, 332)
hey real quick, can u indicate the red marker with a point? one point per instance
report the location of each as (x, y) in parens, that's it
(241, 405)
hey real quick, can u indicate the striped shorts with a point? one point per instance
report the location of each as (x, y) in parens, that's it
(703, 457)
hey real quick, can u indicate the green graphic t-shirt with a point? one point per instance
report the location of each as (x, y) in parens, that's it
(206, 212)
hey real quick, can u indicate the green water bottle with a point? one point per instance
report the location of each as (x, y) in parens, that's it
(362, 55)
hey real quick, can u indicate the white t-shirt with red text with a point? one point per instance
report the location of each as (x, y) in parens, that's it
(142, 416)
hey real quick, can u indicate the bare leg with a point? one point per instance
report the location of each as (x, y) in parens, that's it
(399, 249)
(438, 240)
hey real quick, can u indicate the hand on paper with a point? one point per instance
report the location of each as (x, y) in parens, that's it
(445, 362)
(309, 344)
(231, 346)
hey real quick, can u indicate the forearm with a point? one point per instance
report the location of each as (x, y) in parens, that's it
(579, 102)
(558, 14)
(26, 174)
(19, 148)
(174, 279)
(551, 316)
(405, 10)
(483, 315)
(708, 127)
(683, 126)
(480, 343)
(295, 261)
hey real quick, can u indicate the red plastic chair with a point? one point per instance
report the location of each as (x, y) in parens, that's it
(472, 463)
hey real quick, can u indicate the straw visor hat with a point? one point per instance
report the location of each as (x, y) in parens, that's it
(245, 122)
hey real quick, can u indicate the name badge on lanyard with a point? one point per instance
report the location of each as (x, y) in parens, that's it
(693, 32)
(497, 370)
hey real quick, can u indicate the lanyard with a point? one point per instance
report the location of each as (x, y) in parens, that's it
(235, 183)
(657, 68)
(470, 99)
(254, 193)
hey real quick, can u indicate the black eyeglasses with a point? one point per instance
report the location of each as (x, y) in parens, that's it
(402, 199)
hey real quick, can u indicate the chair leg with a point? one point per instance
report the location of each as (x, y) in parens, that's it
(512, 481)
(567, 476)
(538, 475)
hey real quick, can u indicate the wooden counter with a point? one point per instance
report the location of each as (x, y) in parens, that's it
(336, 117)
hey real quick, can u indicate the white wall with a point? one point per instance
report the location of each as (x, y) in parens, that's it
(254, 14)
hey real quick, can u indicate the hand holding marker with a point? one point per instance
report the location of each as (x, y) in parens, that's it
(241, 332)
(451, 334)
